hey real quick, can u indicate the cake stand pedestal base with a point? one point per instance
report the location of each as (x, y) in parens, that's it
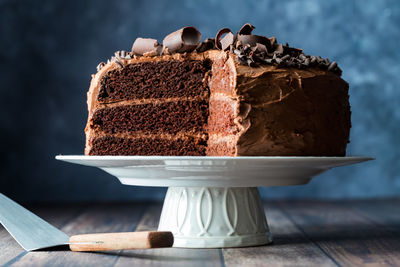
(213, 202)
(215, 217)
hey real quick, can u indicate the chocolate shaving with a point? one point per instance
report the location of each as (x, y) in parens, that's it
(208, 44)
(142, 46)
(285, 57)
(100, 66)
(182, 40)
(228, 39)
(116, 60)
(291, 50)
(252, 40)
(246, 29)
(332, 66)
(125, 55)
(249, 49)
(261, 48)
(279, 49)
(238, 44)
(218, 36)
(313, 61)
(122, 55)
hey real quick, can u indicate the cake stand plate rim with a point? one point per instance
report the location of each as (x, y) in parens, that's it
(173, 171)
(177, 158)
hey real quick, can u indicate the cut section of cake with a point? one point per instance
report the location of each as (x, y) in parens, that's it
(150, 107)
(232, 96)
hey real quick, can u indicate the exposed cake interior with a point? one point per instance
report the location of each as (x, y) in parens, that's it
(224, 108)
(152, 108)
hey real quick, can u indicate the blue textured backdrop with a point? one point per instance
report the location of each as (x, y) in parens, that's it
(49, 49)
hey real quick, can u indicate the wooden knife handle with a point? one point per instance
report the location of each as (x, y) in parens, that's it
(118, 241)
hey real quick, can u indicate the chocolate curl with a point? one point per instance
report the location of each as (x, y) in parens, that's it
(260, 48)
(100, 66)
(273, 41)
(291, 50)
(208, 44)
(279, 49)
(332, 66)
(122, 54)
(218, 37)
(246, 29)
(143, 46)
(118, 61)
(228, 40)
(252, 40)
(182, 40)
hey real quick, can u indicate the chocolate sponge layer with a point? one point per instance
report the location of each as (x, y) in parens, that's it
(109, 145)
(161, 79)
(167, 117)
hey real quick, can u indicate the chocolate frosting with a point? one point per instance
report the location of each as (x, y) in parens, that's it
(288, 111)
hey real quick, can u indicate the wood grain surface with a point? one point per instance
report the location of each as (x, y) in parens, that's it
(306, 233)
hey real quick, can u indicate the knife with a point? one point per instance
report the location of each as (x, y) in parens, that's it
(33, 233)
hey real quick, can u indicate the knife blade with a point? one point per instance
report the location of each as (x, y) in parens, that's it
(30, 231)
(33, 233)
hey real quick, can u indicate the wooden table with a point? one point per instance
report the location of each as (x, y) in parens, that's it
(306, 233)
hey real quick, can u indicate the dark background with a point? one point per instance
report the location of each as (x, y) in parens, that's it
(49, 49)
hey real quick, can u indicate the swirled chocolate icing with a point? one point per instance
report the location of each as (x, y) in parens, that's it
(281, 111)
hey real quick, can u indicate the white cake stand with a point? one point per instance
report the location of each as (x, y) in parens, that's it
(213, 202)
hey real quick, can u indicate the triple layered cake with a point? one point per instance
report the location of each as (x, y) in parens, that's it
(236, 95)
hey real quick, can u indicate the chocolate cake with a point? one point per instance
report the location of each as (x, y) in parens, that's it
(235, 95)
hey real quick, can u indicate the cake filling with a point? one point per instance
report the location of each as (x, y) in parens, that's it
(222, 127)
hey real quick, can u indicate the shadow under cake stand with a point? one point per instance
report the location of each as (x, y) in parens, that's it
(213, 202)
